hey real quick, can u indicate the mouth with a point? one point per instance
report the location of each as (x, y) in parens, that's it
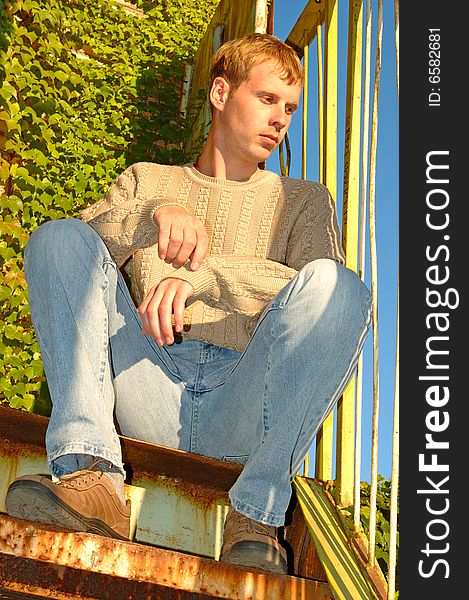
(271, 138)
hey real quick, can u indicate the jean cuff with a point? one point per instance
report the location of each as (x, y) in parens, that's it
(81, 449)
(257, 514)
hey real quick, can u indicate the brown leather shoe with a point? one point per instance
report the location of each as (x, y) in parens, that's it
(83, 501)
(252, 544)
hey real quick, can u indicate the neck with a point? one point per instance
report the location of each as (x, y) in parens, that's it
(216, 162)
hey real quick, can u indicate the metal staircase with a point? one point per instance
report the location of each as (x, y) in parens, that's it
(179, 501)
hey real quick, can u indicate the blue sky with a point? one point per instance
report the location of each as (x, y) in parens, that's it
(387, 197)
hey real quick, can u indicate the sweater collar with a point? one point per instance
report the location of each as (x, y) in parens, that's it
(196, 175)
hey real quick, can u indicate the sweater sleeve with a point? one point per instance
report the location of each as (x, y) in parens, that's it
(315, 233)
(241, 284)
(124, 216)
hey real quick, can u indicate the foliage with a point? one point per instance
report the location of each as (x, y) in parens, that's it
(383, 497)
(86, 89)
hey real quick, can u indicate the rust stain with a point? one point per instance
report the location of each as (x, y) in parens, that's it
(12, 451)
(69, 563)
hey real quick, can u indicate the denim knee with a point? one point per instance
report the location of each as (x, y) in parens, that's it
(324, 268)
(50, 237)
(337, 281)
(355, 289)
(55, 240)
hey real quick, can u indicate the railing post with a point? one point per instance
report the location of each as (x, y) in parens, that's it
(329, 178)
(350, 228)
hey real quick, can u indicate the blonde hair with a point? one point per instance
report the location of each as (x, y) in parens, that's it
(235, 59)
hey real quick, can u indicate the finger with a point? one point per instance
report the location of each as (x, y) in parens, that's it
(145, 324)
(149, 314)
(176, 238)
(165, 312)
(179, 304)
(142, 310)
(187, 247)
(200, 250)
(163, 240)
(154, 329)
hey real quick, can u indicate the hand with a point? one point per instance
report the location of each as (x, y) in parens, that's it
(164, 300)
(181, 236)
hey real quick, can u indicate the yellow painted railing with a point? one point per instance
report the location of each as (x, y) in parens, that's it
(350, 229)
(319, 20)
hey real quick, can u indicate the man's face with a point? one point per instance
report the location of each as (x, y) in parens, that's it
(256, 116)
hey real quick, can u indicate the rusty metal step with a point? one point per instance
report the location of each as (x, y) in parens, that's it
(179, 501)
(45, 562)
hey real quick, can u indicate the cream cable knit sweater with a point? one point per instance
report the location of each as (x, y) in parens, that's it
(261, 232)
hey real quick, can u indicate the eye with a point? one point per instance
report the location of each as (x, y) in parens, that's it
(267, 99)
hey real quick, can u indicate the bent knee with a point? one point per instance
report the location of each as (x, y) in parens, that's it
(322, 272)
(334, 279)
(54, 235)
(54, 240)
(321, 266)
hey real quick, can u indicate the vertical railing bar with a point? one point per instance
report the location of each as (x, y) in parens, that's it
(358, 454)
(374, 292)
(281, 158)
(323, 463)
(284, 165)
(324, 446)
(324, 439)
(305, 113)
(394, 472)
(320, 102)
(286, 139)
(362, 255)
(330, 97)
(395, 439)
(396, 37)
(306, 466)
(261, 16)
(185, 91)
(304, 130)
(344, 489)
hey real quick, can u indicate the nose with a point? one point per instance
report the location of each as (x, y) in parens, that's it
(279, 117)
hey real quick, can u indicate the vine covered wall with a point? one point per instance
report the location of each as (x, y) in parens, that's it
(86, 89)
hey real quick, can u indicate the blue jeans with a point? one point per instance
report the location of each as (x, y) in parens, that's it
(261, 407)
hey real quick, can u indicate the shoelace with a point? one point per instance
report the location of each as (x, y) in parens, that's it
(82, 477)
(244, 524)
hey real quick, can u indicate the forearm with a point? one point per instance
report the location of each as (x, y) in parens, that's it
(124, 232)
(242, 284)
(125, 216)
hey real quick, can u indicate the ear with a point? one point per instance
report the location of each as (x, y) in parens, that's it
(219, 93)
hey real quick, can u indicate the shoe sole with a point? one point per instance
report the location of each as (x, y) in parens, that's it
(34, 502)
(257, 556)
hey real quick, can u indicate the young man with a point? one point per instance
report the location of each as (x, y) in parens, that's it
(248, 325)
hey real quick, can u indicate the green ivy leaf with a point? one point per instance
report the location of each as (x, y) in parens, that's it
(36, 156)
(7, 91)
(69, 126)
